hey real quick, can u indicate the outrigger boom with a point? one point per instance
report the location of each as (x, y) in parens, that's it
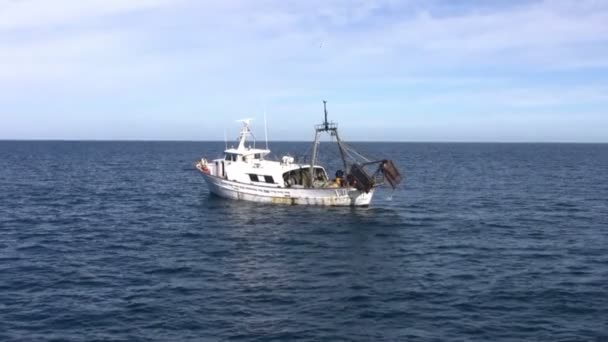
(332, 128)
(361, 179)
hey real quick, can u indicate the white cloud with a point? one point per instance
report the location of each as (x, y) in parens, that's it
(516, 96)
(334, 37)
(20, 14)
(52, 44)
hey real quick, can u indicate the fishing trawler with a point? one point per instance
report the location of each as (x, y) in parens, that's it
(248, 173)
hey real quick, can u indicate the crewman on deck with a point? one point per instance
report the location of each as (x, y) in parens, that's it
(339, 175)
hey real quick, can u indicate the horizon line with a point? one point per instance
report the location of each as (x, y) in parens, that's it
(308, 141)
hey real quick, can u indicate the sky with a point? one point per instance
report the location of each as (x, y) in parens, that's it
(394, 70)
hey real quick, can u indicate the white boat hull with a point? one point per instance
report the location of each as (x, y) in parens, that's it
(268, 194)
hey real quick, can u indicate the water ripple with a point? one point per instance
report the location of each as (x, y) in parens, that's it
(485, 242)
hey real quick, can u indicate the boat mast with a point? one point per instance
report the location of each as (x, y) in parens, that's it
(332, 128)
(325, 111)
(244, 132)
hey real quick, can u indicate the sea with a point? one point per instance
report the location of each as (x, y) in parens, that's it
(122, 241)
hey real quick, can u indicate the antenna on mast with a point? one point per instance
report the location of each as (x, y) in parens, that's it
(265, 126)
(225, 138)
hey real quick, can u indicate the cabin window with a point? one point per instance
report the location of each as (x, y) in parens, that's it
(257, 156)
(253, 178)
(269, 179)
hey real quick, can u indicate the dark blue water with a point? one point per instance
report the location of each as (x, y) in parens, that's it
(121, 241)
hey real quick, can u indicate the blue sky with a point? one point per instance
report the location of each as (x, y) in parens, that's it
(391, 70)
